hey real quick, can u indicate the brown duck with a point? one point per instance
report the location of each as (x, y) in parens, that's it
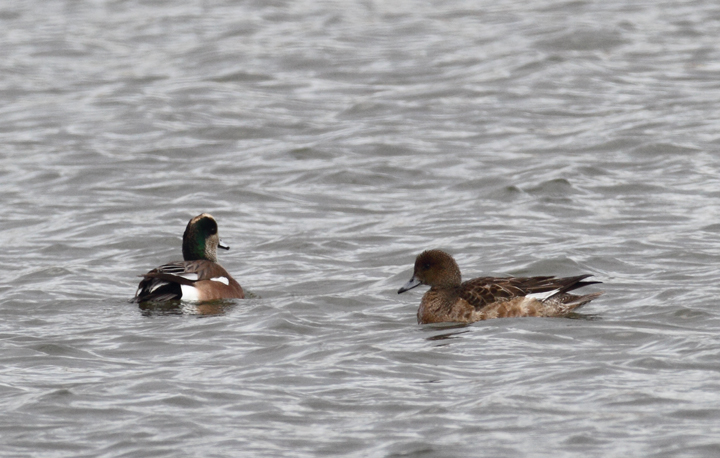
(452, 300)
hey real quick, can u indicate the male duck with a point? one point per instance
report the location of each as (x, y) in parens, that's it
(199, 277)
(450, 300)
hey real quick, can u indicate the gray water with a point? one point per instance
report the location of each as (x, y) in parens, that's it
(334, 141)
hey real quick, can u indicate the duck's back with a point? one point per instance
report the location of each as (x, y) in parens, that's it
(503, 297)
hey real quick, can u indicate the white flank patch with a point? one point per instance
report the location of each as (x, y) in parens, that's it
(542, 296)
(192, 276)
(221, 280)
(189, 293)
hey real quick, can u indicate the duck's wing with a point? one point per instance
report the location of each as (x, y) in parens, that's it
(163, 283)
(480, 292)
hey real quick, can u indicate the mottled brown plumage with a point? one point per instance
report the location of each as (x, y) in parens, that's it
(451, 300)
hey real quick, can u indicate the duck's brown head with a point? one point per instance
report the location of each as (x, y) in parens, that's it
(434, 268)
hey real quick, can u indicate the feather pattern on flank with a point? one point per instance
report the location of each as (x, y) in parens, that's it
(451, 300)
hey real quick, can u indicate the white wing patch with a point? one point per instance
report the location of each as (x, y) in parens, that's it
(192, 276)
(189, 293)
(222, 280)
(157, 285)
(542, 296)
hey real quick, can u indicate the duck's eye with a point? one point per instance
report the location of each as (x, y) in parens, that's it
(426, 266)
(211, 227)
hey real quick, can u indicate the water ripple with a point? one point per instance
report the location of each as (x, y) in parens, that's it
(334, 142)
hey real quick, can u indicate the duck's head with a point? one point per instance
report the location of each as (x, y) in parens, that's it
(433, 268)
(201, 239)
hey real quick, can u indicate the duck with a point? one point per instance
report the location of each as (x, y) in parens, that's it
(452, 300)
(198, 277)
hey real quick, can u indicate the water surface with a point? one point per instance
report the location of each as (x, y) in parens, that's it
(334, 141)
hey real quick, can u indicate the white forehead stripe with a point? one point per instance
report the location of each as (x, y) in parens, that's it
(221, 280)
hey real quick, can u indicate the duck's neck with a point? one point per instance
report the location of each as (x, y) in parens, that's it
(436, 304)
(197, 251)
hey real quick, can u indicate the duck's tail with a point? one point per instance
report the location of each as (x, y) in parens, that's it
(560, 298)
(570, 302)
